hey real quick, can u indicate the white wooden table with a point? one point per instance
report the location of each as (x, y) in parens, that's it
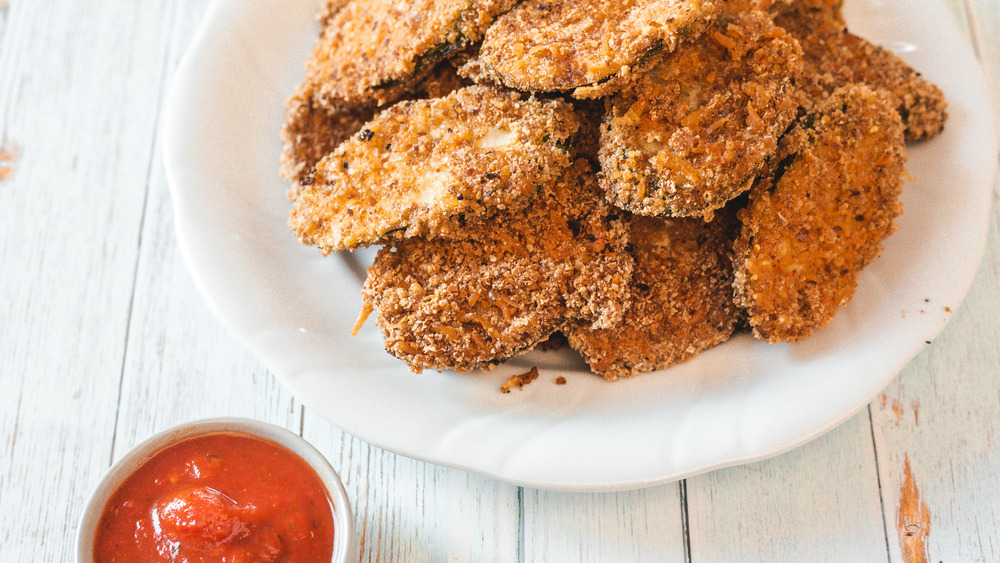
(104, 341)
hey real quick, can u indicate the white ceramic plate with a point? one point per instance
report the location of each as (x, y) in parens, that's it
(739, 402)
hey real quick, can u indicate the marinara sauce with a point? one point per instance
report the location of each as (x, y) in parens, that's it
(222, 498)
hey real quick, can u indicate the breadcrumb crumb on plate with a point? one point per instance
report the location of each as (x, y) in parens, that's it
(519, 380)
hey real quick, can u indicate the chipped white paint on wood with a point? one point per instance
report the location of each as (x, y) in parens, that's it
(104, 341)
(937, 426)
(941, 420)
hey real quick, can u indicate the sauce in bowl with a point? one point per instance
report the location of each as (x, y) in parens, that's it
(220, 497)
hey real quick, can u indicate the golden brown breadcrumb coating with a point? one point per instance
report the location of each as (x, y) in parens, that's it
(808, 231)
(419, 163)
(835, 57)
(372, 50)
(736, 7)
(695, 131)
(330, 9)
(587, 142)
(634, 178)
(442, 80)
(772, 7)
(507, 284)
(589, 46)
(682, 298)
(311, 132)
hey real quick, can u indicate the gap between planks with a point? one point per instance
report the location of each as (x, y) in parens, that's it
(154, 146)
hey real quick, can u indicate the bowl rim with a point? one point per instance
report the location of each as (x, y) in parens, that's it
(343, 520)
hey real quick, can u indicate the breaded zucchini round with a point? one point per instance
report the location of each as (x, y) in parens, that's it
(590, 47)
(371, 51)
(507, 283)
(697, 129)
(835, 57)
(419, 163)
(682, 298)
(809, 230)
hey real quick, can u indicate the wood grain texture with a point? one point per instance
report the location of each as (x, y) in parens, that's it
(819, 502)
(76, 92)
(632, 526)
(983, 24)
(941, 419)
(104, 341)
(937, 426)
(5, 49)
(181, 364)
(408, 510)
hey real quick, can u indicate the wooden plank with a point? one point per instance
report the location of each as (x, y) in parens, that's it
(181, 363)
(78, 89)
(180, 359)
(643, 525)
(819, 502)
(408, 510)
(4, 18)
(937, 427)
(937, 431)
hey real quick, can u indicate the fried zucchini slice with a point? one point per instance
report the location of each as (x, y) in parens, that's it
(809, 230)
(419, 163)
(371, 51)
(834, 57)
(591, 47)
(328, 9)
(506, 285)
(311, 132)
(682, 298)
(738, 7)
(695, 131)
